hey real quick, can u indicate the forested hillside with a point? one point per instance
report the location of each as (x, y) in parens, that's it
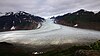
(81, 19)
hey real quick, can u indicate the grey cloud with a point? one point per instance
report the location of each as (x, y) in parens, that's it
(48, 7)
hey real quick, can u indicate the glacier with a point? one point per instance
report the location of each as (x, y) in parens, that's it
(50, 33)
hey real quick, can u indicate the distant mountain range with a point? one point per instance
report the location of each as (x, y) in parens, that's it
(81, 19)
(24, 21)
(19, 21)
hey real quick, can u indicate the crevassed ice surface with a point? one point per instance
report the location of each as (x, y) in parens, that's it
(50, 33)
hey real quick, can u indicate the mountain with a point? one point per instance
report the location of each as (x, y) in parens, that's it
(81, 19)
(19, 21)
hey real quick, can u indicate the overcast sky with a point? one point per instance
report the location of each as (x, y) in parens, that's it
(47, 8)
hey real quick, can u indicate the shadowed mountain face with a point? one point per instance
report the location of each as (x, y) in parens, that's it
(19, 21)
(81, 19)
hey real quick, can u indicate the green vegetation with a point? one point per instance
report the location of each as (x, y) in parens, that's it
(10, 50)
(67, 52)
(80, 16)
(95, 46)
(84, 19)
(71, 51)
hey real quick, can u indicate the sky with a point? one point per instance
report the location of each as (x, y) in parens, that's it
(46, 8)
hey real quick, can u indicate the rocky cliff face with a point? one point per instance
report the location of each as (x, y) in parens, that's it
(19, 21)
(32, 25)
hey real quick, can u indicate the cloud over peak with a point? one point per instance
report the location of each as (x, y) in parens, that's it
(48, 7)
